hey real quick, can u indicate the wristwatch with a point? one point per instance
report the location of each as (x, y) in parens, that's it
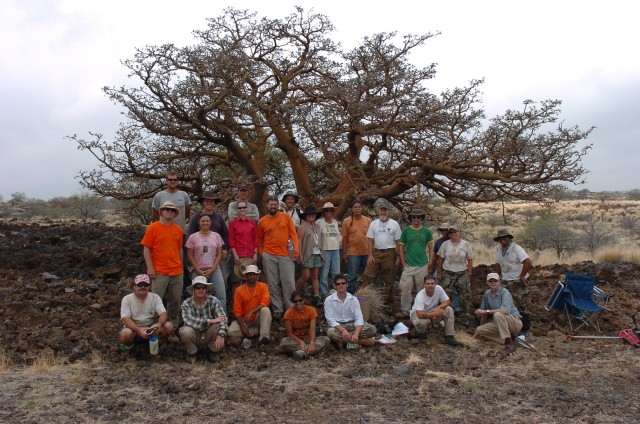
(223, 335)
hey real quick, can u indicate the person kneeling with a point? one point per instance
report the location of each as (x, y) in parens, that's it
(300, 325)
(344, 316)
(138, 312)
(205, 323)
(498, 303)
(432, 306)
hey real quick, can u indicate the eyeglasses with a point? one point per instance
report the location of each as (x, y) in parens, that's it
(172, 180)
(493, 280)
(143, 285)
(242, 207)
(298, 301)
(170, 210)
(344, 283)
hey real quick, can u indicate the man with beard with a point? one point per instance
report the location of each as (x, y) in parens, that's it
(275, 230)
(178, 197)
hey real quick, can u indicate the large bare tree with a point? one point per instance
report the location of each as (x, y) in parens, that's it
(277, 101)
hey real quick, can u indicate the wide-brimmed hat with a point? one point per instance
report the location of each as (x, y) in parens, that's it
(170, 205)
(382, 203)
(209, 195)
(251, 269)
(453, 227)
(310, 210)
(443, 226)
(418, 212)
(328, 205)
(199, 281)
(290, 193)
(239, 269)
(503, 233)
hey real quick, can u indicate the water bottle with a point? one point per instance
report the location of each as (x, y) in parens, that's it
(318, 330)
(123, 347)
(153, 345)
(290, 247)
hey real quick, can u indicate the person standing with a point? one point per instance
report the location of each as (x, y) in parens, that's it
(252, 209)
(178, 197)
(275, 230)
(251, 309)
(497, 306)
(355, 246)
(243, 240)
(415, 241)
(513, 265)
(310, 240)
(162, 250)
(330, 232)
(208, 201)
(455, 265)
(444, 236)
(384, 243)
(290, 199)
(205, 322)
(204, 252)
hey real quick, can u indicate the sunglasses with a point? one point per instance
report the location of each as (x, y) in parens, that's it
(341, 284)
(143, 285)
(453, 231)
(170, 210)
(242, 207)
(493, 280)
(200, 287)
(416, 217)
(172, 180)
(298, 301)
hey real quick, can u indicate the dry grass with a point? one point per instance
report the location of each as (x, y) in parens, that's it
(413, 359)
(46, 361)
(5, 361)
(376, 304)
(466, 340)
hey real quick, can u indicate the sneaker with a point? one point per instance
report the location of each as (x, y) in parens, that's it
(451, 341)
(299, 355)
(212, 356)
(173, 338)
(264, 341)
(190, 357)
(246, 343)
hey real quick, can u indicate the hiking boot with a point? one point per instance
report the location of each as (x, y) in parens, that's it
(422, 336)
(190, 357)
(212, 356)
(451, 341)
(402, 315)
(264, 341)
(509, 349)
(173, 338)
(317, 299)
(299, 355)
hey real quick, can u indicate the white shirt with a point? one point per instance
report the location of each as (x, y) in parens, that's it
(428, 303)
(456, 257)
(331, 237)
(336, 311)
(384, 234)
(143, 313)
(511, 263)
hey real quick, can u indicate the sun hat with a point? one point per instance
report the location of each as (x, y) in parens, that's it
(170, 205)
(503, 233)
(443, 226)
(251, 269)
(290, 193)
(328, 205)
(239, 269)
(310, 210)
(199, 281)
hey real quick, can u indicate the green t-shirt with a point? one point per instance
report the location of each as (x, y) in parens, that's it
(415, 245)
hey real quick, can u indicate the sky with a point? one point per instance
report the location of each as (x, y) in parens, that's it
(58, 54)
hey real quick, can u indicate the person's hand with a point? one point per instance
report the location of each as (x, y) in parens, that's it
(370, 260)
(481, 312)
(151, 272)
(437, 312)
(355, 338)
(523, 281)
(225, 254)
(302, 344)
(217, 320)
(142, 332)
(312, 348)
(219, 343)
(244, 330)
(346, 336)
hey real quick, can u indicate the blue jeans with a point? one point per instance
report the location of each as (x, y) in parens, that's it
(355, 265)
(331, 264)
(219, 289)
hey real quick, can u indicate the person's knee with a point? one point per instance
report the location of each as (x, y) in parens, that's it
(126, 336)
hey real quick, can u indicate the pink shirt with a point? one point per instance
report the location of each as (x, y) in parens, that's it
(204, 247)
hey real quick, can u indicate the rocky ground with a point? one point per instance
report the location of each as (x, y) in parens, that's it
(60, 291)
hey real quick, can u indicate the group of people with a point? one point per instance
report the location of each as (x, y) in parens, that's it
(307, 244)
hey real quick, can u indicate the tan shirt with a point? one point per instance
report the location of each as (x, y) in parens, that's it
(354, 231)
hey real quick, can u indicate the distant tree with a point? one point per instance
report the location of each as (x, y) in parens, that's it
(549, 231)
(278, 97)
(594, 235)
(18, 197)
(634, 194)
(87, 206)
(603, 196)
(559, 192)
(629, 223)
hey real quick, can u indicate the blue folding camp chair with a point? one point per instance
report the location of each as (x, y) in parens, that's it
(578, 298)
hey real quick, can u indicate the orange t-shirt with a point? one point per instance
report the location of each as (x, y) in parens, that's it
(274, 233)
(354, 231)
(165, 242)
(246, 299)
(300, 320)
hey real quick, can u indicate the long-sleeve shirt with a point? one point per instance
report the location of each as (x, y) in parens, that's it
(274, 233)
(243, 236)
(337, 311)
(252, 211)
(217, 226)
(197, 317)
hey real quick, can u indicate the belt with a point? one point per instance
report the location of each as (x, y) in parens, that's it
(455, 273)
(384, 250)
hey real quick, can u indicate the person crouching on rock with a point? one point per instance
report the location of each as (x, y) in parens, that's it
(432, 305)
(300, 325)
(344, 316)
(497, 303)
(251, 309)
(141, 311)
(205, 323)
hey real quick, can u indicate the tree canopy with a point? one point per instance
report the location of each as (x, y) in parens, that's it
(278, 102)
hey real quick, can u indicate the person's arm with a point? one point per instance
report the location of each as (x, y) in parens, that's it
(146, 252)
(345, 239)
(260, 237)
(128, 322)
(497, 269)
(224, 233)
(216, 260)
(192, 261)
(526, 266)
(155, 214)
(300, 233)
(430, 253)
(187, 207)
(398, 250)
(293, 235)
(470, 266)
(439, 272)
(370, 259)
(401, 255)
